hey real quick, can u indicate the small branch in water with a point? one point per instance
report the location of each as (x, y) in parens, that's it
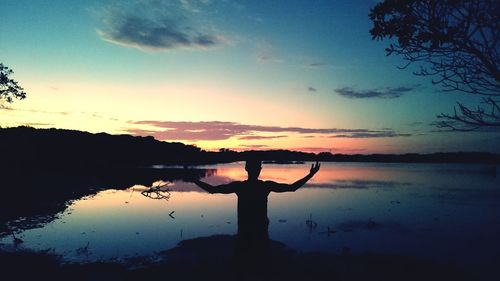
(171, 213)
(157, 193)
(310, 223)
(328, 232)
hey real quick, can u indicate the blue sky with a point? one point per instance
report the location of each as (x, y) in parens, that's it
(127, 66)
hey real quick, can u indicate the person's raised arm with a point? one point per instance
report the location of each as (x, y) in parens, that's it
(282, 187)
(223, 188)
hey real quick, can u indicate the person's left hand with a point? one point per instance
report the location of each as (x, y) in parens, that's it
(314, 168)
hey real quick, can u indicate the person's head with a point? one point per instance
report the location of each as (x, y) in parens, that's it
(253, 167)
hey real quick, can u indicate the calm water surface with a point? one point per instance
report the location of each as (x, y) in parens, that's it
(441, 212)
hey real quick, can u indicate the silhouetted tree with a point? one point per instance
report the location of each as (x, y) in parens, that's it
(9, 89)
(458, 42)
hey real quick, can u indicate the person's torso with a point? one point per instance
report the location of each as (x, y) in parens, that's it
(252, 204)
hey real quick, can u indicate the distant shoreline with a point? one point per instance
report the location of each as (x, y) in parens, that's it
(27, 147)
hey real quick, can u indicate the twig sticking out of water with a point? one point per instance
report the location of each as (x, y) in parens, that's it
(328, 231)
(310, 223)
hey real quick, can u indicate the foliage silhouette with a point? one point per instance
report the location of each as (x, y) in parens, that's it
(456, 41)
(9, 88)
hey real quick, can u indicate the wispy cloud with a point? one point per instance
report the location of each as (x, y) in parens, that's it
(257, 137)
(373, 134)
(156, 26)
(267, 54)
(315, 65)
(219, 130)
(36, 124)
(192, 6)
(90, 114)
(313, 149)
(417, 123)
(254, 146)
(386, 93)
(34, 111)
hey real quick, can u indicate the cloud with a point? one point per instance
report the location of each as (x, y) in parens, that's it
(267, 54)
(36, 124)
(386, 93)
(313, 149)
(156, 26)
(91, 114)
(312, 89)
(34, 111)
(417, 123)
(254, 146)
(353, 150)
(372, 134)
(219, 130)
(257, 137)
(315, 65)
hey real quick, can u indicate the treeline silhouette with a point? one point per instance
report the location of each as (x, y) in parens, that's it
(27, 148)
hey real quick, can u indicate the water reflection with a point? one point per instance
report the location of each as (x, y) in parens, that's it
(33, 197)
(426, 211)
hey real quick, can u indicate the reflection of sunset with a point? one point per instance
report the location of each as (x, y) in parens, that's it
(112, 201)
(185, 196)
(237, 173)
(329, 172)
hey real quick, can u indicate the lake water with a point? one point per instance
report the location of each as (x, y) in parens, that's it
(446, 213)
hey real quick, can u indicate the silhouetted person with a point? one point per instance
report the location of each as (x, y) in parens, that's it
(252, 240)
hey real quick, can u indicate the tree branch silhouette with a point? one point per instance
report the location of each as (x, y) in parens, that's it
(457, 42)
(157, 192)
(9, 88)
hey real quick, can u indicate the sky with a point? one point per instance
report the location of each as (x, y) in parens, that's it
(242, 75)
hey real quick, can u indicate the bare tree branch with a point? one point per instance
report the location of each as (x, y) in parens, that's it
(457, 42)
(466, 119)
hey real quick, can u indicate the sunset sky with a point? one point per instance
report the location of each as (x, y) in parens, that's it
(301, 75)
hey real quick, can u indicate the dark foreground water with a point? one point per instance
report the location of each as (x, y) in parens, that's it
(444, 213)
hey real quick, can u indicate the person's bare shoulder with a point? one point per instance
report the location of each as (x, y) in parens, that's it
(269, 182)
(236, 183)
